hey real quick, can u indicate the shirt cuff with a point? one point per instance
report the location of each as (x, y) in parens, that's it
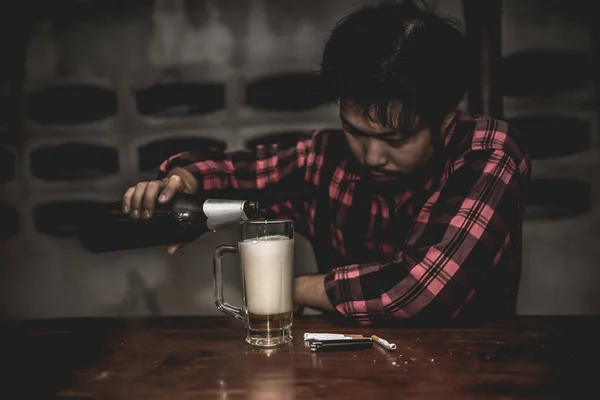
(334, 293)
(173, 162)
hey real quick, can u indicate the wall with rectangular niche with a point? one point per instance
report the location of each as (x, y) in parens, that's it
(548, 81)
(111, 91)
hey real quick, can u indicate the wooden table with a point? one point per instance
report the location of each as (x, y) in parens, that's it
(207, 358)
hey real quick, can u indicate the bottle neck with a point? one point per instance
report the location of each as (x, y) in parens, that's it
(253, 210)
(182, 203)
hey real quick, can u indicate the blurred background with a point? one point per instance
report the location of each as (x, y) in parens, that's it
(95, 94)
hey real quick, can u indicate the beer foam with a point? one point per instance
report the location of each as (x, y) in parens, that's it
(268, 271)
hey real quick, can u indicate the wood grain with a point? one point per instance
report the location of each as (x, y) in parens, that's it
(207, 358)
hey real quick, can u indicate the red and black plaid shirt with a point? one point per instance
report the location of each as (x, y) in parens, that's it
(448, 246)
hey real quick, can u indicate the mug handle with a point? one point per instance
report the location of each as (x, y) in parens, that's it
(222, 305)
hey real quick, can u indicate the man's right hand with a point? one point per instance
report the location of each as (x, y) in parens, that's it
(140, 200)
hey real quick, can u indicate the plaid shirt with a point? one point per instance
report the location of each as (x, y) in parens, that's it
(449, 246)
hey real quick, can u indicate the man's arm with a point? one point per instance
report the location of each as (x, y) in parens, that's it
(459, 236)
(309, 291)
(266, 173)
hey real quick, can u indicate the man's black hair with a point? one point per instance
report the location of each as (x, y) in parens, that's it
(394, 51)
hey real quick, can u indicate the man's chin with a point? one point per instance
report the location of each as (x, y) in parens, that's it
(386, 178)
(387, 184)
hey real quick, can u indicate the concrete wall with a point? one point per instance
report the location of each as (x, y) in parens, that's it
(141, 44)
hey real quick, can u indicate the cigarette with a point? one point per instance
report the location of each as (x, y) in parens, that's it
(331, 336)
(384, 343)
(331, 345)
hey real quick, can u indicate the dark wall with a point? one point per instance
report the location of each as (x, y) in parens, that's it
(103, 91)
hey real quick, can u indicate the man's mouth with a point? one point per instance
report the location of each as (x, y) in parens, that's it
(384, 177)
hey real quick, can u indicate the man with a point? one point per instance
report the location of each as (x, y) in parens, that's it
(414, 209)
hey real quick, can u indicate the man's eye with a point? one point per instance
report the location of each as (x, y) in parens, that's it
(401, 138)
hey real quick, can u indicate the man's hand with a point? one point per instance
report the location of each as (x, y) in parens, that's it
(309, 291)
(140, 200)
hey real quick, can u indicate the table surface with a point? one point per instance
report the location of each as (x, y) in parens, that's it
(207, 358)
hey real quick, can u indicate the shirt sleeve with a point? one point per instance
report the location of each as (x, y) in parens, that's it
(266, 173)
(457, 239)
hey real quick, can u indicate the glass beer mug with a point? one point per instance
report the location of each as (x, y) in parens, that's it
(266, 253)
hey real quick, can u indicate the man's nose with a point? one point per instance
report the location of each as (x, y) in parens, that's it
(375, 153)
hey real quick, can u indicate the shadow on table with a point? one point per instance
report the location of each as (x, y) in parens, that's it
(40, 357)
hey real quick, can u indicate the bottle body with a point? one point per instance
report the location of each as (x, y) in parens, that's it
(181, 221)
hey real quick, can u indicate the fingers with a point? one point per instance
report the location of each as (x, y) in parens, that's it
(140, 200)
(153, 188)
(127, 199)
(173, 185)
(136, 199)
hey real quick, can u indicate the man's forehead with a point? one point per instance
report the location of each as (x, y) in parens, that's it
(368, 128)
(363, 119)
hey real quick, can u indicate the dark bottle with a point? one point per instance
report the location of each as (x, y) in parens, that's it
(180, 221)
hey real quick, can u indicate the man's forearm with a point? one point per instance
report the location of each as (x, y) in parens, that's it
(309, 291)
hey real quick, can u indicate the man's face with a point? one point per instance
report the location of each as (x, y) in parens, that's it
(388, 154)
